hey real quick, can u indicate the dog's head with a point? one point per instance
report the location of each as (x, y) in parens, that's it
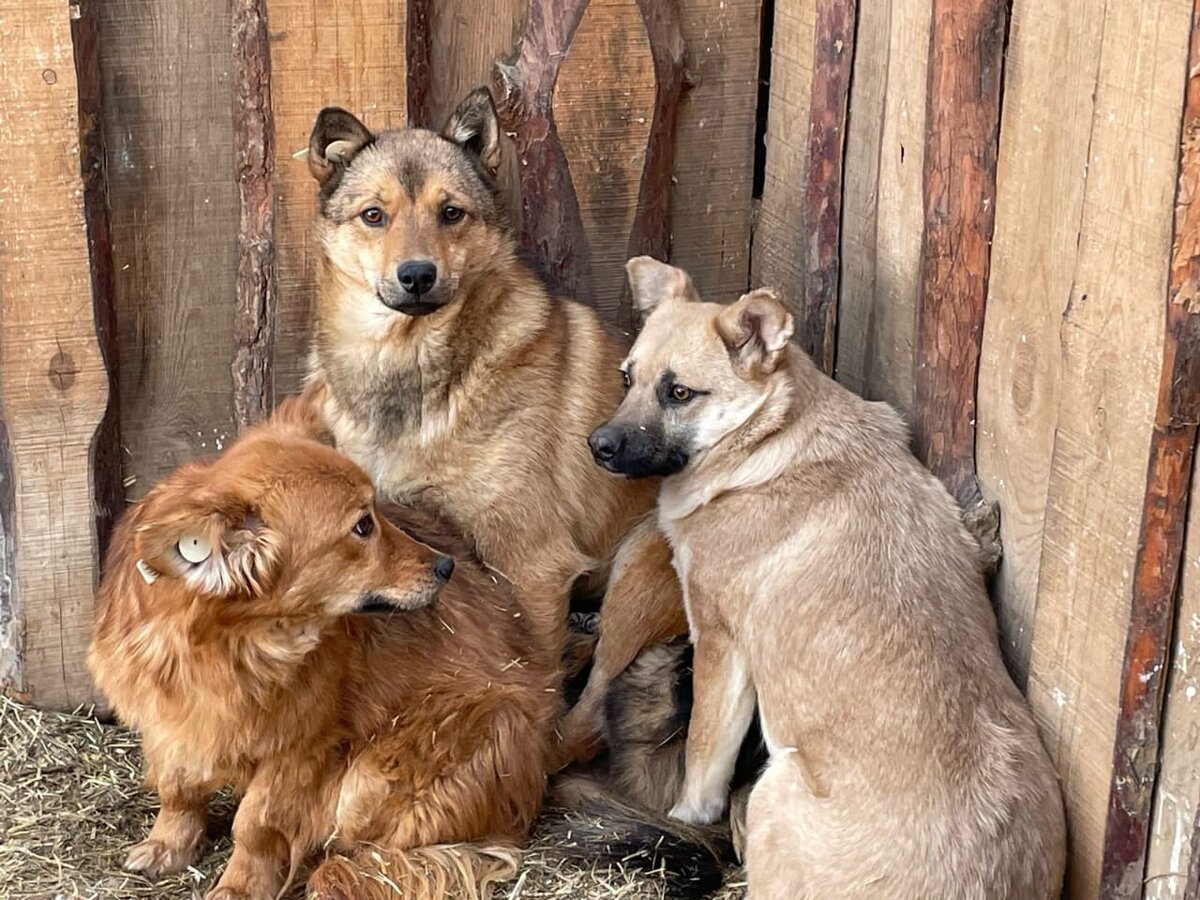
(278, 528)
(410, 218)
(697, 372)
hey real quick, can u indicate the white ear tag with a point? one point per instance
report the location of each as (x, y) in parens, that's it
(194, 548)
(337, 151)
(147, 573)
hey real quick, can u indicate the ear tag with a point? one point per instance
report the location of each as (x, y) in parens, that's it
(194, 548)
(147, 573)
(338, 151)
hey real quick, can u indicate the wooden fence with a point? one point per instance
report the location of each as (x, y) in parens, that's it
(981, 214)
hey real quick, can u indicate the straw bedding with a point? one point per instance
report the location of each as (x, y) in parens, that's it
(71, 802)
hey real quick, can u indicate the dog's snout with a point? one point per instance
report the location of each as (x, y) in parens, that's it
(417, 277)
(443, 568)
(605, 442)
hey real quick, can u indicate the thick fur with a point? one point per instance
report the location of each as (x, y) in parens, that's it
(386, 737)
(476, 397)
(829, 580)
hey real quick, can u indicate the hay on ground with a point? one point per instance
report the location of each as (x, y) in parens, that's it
(71, 803)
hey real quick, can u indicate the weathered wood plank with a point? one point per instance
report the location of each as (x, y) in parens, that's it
(254, 157)
(713, 173)
(1050, 76)
(833, 57)
(1177, 792)
(1111, 339)
(883, 217)
(53, 383)
(780, 251)
(169, 133)
(1163, 520)
(962, 123)
(465, 42)
(352, 55)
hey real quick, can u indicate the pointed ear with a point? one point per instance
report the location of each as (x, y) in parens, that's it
(756, 330)
(214, 543)
(475, 127)
(336, 139)
(652, 282)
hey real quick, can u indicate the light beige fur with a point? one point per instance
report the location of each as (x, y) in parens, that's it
(828, 577)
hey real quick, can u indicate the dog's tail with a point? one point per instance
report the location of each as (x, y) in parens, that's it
(467, 871)
(589, 825)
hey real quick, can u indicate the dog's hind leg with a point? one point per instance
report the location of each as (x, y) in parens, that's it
(643, 606)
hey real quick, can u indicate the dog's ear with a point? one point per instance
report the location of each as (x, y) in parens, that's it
(475, 127)
(210, 539)
(756, 330)
(654, 282)
(336, 139)
(301, 415)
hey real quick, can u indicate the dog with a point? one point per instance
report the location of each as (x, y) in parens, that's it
(452, 376)
(828, 581)
(266, 624)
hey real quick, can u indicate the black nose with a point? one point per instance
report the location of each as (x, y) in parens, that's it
(605, 443)
(443, 567)
(417, 278)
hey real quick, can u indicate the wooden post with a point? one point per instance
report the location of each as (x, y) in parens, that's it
(833, 59)
(1161, 536)
(54, 387)
(254, 156)
(962, 127)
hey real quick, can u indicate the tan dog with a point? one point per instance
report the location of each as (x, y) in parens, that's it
(264, 625)
(460, 385)
(828, 577)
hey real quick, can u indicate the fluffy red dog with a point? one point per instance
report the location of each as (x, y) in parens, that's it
(264, 625)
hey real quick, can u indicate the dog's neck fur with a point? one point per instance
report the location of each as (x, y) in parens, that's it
(385, 378)
(782, 433)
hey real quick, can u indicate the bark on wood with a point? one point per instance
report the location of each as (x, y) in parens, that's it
(962, 127)
(106, 450)
(254, 156)
(1161, 537)
(833, 56)
(552, 228)
(419, 48)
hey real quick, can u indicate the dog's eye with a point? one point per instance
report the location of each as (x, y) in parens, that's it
(681, 394)
(373, 216)
(452, 214)
(626, 379)
(364, 526)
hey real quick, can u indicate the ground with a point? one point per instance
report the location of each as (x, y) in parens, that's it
(71, 802)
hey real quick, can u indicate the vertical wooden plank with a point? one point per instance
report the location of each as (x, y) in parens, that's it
(780, 250)
(352, 55)
(466, 40)
(883, 216)
(1111, 339)
(713, 173)
(1177, 792)
(833, 56)
(962, 124)
(1050, 77)
(168, 126)
(53, 380)
(1163, 520)
(254, 322)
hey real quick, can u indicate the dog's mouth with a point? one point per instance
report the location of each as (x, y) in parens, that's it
(376, 604)
(410, 305)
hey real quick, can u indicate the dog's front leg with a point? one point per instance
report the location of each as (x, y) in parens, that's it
(721, 715)
(178, 833)
(286, 811)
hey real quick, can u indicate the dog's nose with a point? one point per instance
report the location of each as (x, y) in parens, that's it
(417, 278)
(605, 443)
(443, 567)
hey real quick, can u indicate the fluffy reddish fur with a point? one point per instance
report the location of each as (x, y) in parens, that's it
(384, 737)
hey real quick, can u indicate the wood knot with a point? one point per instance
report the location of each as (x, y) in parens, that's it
(49, 76)
(62, 370)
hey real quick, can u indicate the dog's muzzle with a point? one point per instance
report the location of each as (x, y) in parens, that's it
(640, 452)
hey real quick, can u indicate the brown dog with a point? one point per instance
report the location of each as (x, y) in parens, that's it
(460, 385)
(829, 579)
(264, 625)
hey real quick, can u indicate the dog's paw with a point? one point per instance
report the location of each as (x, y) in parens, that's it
(154, 858)
(704, 812)
(584, 623)
(225, 893)
(738, 805)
